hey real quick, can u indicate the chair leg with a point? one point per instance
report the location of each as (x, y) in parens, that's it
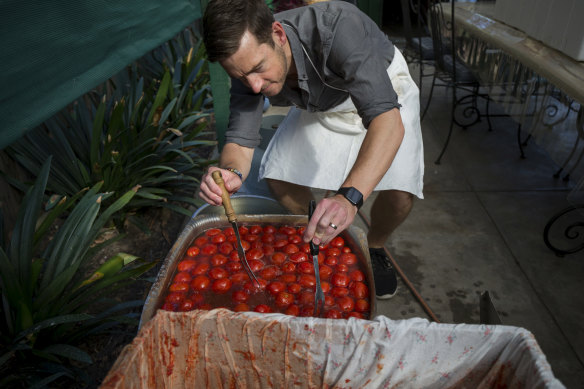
(429, 97)
(519, 142)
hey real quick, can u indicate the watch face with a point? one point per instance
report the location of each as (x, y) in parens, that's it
(353, 195)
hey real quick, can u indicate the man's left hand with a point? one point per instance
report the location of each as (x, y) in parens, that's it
(329, 212)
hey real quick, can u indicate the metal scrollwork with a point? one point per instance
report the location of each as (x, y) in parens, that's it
(573, 233)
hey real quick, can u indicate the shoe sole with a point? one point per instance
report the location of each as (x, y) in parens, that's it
(386, 296)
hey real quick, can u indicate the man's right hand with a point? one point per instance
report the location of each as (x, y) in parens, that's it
(211, 192)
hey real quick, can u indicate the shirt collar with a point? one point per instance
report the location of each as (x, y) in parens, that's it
(297, 54)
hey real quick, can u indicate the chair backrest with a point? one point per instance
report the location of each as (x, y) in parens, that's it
(442, 31)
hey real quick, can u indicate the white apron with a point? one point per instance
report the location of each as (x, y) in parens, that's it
(318, 149)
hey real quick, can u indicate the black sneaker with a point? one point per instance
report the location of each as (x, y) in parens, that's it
(383, 274)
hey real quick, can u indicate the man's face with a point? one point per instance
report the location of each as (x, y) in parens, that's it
(259, 66)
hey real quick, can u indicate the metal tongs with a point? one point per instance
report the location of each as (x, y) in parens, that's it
(318, 294)
(230, 213)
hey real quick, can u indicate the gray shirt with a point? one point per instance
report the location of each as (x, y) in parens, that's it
(339, 52)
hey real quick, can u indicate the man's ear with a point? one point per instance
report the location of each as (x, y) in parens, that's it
(279, 34)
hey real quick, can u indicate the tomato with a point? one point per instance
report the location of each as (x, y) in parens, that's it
(276, 287)
(209, 249)
(262, 308)
(225, 248)
(241, 307)
(306, 298)
(257, 245)
(331, 261)
(325, 286)
(278, 258)
(219, 238)
(234, 256)
(179, 287)
(255, 265)
(239, 277)
(359, 289)
(252, 286)
(291, 248)
(340, 279)
(240, 296)
(298, 256)
(345, 249)
(205, 307)
(212, 232)
(221, 286)
(217, 273)
(339, 292)
(201, 241)
(287, 230)
(196, 298)
(306, 267)
(187, 305)
(348, 259)
(357, 275)
(333, 314)
(300, 230)
(200, 283)
(269, 272)
(307, 280)
(295, 239)
(333, 252)
(200, 269)
(234, 267)
(357, 315)
(287, 278)
(342, 268)
(187, 265)
(193, 251)
(305, 248)
(320, 258)
(361, 305)
(218, 260)
(289, 267)
(229, 231)
(325, 272)
(168, 307)
(254, 254)
(268, 249)
(252, 238)
(292, 310)
(337, 242)
(294, 288)
(329, 301)
(243, 230)
(307, 311)
(283, 299)
(174, 297)
(245, 245)
(269, 229)
(279, 243)
(268, 238)
(183, 276)
(255, 230)
(346, 304)
(232, 238)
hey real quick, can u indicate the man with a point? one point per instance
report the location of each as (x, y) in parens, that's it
(347, 131)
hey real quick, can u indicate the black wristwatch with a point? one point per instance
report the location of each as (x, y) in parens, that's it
(353, 195)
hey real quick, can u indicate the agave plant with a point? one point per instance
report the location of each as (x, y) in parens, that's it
(47, 303)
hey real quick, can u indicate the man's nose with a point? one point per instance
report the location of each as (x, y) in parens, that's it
(255, 83)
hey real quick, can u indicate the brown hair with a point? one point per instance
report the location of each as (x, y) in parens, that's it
(225, 22)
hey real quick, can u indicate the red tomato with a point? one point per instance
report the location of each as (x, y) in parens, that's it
(331, 261)
(358, 315)
(218, 260)
(337, 242)
(307, 311)
(325, 272)
(187, 305)
(342, 268)
(292, 310)
(168, 307)
(307, 280)
(340, 279)
(329, 301)
(348, 259)
(254, 254)
(294, 288)
(357, 275)
(234, 267)
(283, 299)
(268, 249)
(359, 289)
(268, 238)
(200, 283)
(288, 267)
(200, 269)
(278, 258)
(252, 286)
(325, 286)
(333, 314)
(255, 265)
(298, 256)
(217, 273)
(245, 244)
(232, 238)
(296, 239)
(234, 256)
(300, 230)
(255, 230)
(257, 245)
(221, 286)
(219, 238)
(229, 231)
(279, 243)
(243, 230)
(252, 238)
(187, 265)
(209, 249)
(213, 232)
(183, 276)
(320, 258)
(287, 230)
(269, 229)
(269, 272)
(179, 287)
(361, 305)
(193, 251)
(225, 248)
(346, 304)
(291, 248)
(306, 298)
(333, 252)
(262, 308)
(345, 249)
(196, 298)
(240, 296)
(205, 307)
(201, 241)
(276, 287)
(305, 248)
(239, 277)
(241, 307)
(306, 267)
(287, 278)
(339, 292)
(174, 297)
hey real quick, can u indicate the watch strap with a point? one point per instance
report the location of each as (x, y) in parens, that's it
(353, 195)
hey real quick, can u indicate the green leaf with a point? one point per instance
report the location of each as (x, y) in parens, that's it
(70, 352)
(160, 96)
(97, 131)
(54, 321)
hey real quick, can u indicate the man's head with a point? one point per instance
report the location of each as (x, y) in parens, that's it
(243, 36)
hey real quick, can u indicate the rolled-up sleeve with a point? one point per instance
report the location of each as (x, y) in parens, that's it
(245, 117)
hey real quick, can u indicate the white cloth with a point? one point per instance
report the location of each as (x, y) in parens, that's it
(318, 149)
